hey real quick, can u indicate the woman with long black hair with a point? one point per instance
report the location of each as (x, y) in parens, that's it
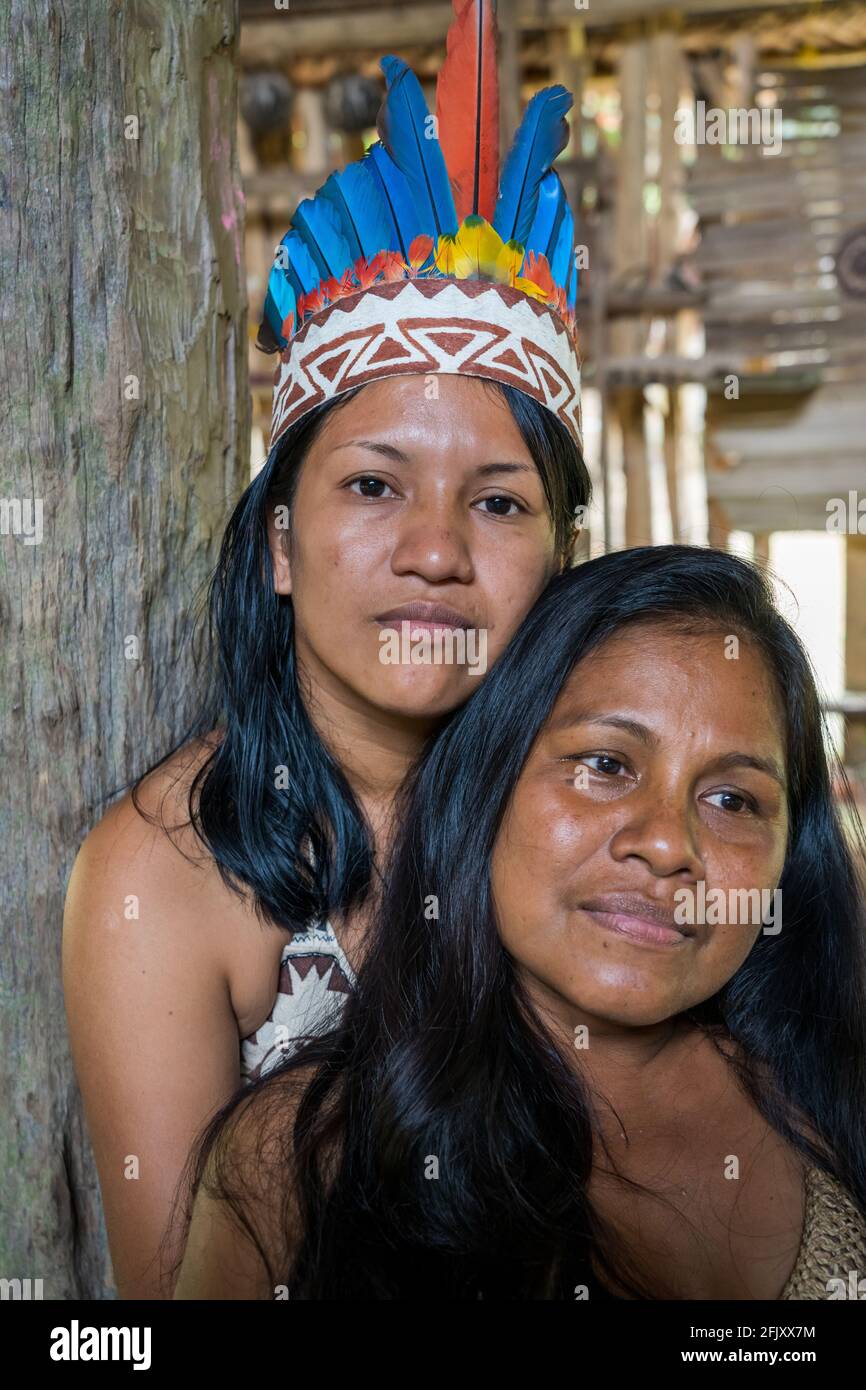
(424, 481)
(609, 1034)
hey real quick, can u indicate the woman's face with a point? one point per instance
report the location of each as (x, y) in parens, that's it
(662, 766)
(417, 503)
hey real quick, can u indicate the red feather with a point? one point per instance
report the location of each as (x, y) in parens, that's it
(467, 108)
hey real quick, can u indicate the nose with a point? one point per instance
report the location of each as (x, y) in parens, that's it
(433, 543)
(661, 832)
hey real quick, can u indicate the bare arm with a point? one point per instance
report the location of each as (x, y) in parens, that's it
(249, 1171)
(221, 1259)
(220, 1262)
(153, 1033)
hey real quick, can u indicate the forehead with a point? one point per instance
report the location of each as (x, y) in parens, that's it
(442, 412)
(676, 682)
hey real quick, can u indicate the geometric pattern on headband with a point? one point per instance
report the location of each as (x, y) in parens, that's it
(427, 327)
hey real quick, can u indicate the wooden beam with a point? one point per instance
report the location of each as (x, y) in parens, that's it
(266, 41)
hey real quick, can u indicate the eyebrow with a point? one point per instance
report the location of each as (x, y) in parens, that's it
(376, 446)
(645, 736)
(768, 765)
(390, 451)
(616, 721)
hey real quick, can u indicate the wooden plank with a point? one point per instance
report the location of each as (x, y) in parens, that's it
(813, 475)
(778, 510)
(268, 41)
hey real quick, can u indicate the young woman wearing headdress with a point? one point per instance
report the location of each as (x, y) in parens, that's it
(424, 469)
(609, 1036)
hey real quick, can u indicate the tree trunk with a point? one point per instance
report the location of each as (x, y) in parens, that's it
(123, 358)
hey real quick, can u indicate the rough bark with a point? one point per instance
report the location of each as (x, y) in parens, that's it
(125, 409)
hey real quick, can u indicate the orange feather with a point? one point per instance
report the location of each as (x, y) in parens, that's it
(467, 109)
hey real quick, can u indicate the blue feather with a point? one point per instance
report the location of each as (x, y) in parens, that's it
(302, 271)
(548, 217)
(279, 303)
(405, 128)
(354, 197)
(397, 196)
(320, 227)
(543, 134)
(562, 254)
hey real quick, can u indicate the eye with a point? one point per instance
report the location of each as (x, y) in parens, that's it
(735, 802)
(369, 487)
(607, 764)
(499, 506)
(603, 763)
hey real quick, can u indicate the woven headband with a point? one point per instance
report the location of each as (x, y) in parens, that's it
(419, 259)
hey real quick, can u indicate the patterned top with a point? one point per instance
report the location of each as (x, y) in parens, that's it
(313, 982)
(314, 979)
(831, 1261)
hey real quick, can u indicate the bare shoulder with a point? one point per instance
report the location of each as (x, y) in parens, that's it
(152, 822)
(144, 856)
(245, 1220)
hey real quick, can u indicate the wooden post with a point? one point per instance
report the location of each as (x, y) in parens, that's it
(598, 282)
(630, 261)
(310, 112)
(510, 104)
(719, 526)
(638, 511)
(671, 449)
(569, 66)
(666, 62)
(123, 361)
(855, 642)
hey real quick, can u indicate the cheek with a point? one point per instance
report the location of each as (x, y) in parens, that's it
(512, 577)
(752, 864)
(330, 573)
(545, 841)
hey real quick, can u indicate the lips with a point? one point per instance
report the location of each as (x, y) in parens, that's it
(639, 918)
(422, 614)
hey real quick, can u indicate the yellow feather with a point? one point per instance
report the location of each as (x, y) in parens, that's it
(482, 246)
(450, 259)
(529, 287)
(509, 264)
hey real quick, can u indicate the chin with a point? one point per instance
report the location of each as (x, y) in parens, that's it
(422, 692)
(625, 1004)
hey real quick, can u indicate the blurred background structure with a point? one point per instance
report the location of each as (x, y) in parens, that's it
(722, 304)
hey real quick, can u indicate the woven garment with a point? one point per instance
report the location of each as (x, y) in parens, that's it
(831, 1261)
(314, 979)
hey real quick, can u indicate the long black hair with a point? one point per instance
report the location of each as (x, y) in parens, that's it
(303, 849)
(437, 1143)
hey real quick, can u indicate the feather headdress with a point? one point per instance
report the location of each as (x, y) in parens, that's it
(423, 257)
